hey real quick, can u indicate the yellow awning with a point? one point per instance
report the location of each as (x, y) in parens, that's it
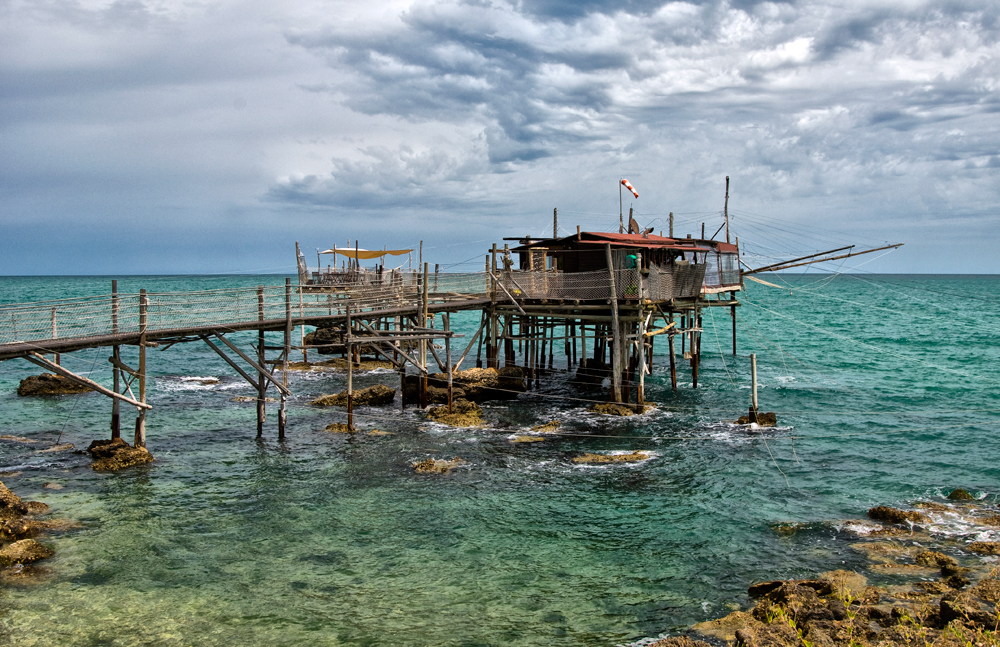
(366, 254)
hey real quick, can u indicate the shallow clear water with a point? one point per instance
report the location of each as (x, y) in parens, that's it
(885, 388)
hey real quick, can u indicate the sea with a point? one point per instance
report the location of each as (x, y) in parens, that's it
(886, 390)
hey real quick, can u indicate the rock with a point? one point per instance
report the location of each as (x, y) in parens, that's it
(725, 628)
(678, 641)
(464, 414)
(24, 551)
(112, 455)
(964, 607)
(763, 588)
(250, 398)
(930, 505)
(11, 503)
(37, 507)
(960, 495)
(547, 428)
(325, 337)
(988, 589)
(788, 529)
(372, 396)
(339, 428)
(19, 528)
(52, 486)
(618, 408)
(49, 384)
(881, 551)
(527, 439)
(776, 634)
(439, 466)
(957, 582)
(992, 520)
(611, 458)
(64, 447)
(439, 395)
(510, 380)
(764, 419)
(985, 547)
(934, 558)
(845, 583)
(895, 515)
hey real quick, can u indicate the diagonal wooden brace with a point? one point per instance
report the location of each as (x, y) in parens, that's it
(35, 358)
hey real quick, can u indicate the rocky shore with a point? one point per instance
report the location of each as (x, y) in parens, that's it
(944, 589)
(20, 524)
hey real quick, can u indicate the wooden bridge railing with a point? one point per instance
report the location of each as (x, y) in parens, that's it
(119, 314)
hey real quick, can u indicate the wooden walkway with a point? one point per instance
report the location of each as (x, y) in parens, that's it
(120, 319)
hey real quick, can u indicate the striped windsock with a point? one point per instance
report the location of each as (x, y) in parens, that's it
(629, 186)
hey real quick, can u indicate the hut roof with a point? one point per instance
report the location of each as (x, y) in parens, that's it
(591, 238)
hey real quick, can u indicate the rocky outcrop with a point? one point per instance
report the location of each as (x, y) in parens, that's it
(960, 495)
(11, 505)
(436, 466)
(25, 551)
(475, 384)
(764, 419)
(113, 455)
(619, 409)
(895, 515)
(612, 458)
(985, 547)
(49, 384)
(372, 396)
(463, 414)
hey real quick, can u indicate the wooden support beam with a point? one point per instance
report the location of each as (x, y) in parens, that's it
(283, 412)
(35, 358)
(253, 364)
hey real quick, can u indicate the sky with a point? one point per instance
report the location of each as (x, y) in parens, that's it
(160, 136)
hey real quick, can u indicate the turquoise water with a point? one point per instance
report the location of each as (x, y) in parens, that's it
(885, 388)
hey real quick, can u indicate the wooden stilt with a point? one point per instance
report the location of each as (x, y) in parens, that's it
(400, 323)
(283, 412)
(672, 355)
(447, 356)
(261, 358)
(140, 421)
(640, 395)
(616, 368)
(350, 370)
(695, 349)
(732, 313)
(116, 431)
(423, 342)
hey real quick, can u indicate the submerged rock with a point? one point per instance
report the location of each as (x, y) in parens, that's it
(20, 528)
(547, 428)
(436, 466)
(592, 371)
(764, 419)
(116, 454)
(935, 558)
(375, 395)
(985, 547)
(678, 641)
(895, 515)
(612, 458)
(527, 439)
(339, 428)
(24, 551)
(464, 414)
(49, 384)
(960, 495)
(619, 408)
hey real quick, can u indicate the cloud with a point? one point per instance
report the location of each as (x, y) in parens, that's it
(492, 112)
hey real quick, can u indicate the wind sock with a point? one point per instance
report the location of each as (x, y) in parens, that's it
(629, 186)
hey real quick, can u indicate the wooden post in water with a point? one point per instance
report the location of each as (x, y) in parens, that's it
(116, 430)
(400, 323)
(753, 387)
(732, 313)
(695, 348)
(640, 395)
(447, 355)
(283, 412)
(261, 380)
(616, 365)
(140, 421)
(424, 342)
(55, 335)
(350, 370)
(673, 358)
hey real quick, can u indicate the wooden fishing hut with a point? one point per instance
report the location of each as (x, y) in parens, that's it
(607, 290)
